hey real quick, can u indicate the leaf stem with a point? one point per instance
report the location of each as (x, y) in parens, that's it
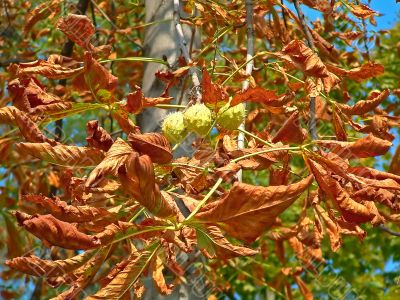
(140, 59)
(136, 215)
(249, 60)
(255, 137)
(188, 165)
(264, 151)
(202, 202)
(168, 106)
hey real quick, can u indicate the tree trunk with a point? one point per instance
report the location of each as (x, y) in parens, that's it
(161, 41)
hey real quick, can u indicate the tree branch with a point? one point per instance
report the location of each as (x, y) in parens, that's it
(384, 228)
(249, 66)
(309, 39)
(185, 50)
(67, 49)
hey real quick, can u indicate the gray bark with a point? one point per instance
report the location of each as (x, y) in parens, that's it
(161, 41)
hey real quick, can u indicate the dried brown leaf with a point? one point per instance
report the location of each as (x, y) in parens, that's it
(42, 11)
(154, 145)
(62, 154)
(213, 242)
(368, 146)
(291, 131)
(114, 158)
(211, 93)
(158, 278)
(55, 232)
(97, 136)
(36, 266)
(78, 28)
(246, 211)
(126, 278)
(364, 106)
(363, 11)
(67, 213)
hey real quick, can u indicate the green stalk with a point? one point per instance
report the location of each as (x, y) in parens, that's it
(202, 202)
(264, 151)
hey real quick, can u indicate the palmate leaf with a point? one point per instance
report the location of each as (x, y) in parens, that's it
(73, 156)
(36, 266)
(125, 279)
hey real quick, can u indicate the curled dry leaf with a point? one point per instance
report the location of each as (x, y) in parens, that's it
(246, 211)
(78, 28)
(67, 213)
(366, 71)
(351, 210)
(7, 114)
(28, 128)
(365, 147)
(137, 178)
(62, 154)
(116, 230)
(97, 136)
(364, 106)
(260, 160)
(31, 97)
(382, 196)
(258, 95)
(363, 11)
(213, 243)
(211, 93)
(126, 278)
(44, 10)
(373, 174)
(291, 131)
(96, 79)
(114, 158)
(47, 69)
(55, 232)
(136, 101)
(338, 126)
(303, 58)
(155, 145)
(332, 228)
(158, 278)
(36, 266)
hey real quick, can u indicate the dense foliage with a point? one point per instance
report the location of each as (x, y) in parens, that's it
(91, 206)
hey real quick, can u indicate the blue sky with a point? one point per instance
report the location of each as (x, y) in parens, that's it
(389, 9)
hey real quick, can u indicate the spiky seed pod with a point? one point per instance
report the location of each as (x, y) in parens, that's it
(231, 117)
(173, 127)
(198, 118)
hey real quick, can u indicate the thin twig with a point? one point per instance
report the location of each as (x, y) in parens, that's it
(67, 49)
(185, 50)
(384, 228)
(249, 67)
(309, 39)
